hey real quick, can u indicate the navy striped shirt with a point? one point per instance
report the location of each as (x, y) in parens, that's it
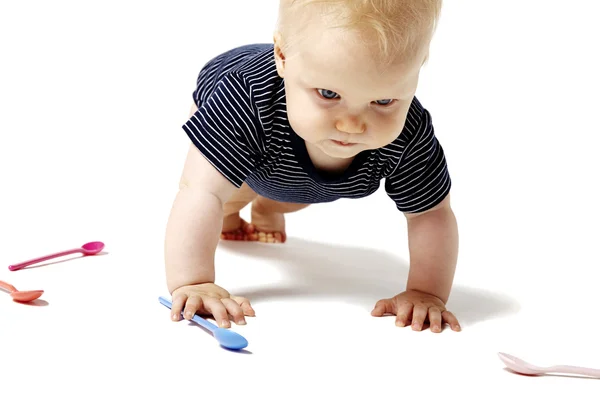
(241, 128)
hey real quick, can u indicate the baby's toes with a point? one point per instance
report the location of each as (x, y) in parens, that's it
(271, 237)
(243, 233)
(227, 236)
(248, 228)
(279, 237)
(237, 235)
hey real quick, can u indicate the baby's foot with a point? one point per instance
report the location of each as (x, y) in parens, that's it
(235, 228)
(268, 225)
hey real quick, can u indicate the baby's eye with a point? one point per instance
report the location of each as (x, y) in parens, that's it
(328, 94)
(384, 102)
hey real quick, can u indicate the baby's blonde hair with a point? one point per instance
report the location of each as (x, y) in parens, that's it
(398, 27)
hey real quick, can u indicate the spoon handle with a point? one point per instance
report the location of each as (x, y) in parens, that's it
(197, 319)
(24, 264)
(8, 287)
(569, 369)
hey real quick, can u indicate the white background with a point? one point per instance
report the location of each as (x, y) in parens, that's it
(92, 99)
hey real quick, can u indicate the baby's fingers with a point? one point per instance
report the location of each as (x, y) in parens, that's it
(451, 320)
(435, 319)
(419, 315)
(235, 311)
(177, 306)
(384, 306)
(192, 306)
(404, 313)
(218, 310)
(245, 304)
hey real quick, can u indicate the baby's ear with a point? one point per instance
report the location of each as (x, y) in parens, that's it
(278, 51)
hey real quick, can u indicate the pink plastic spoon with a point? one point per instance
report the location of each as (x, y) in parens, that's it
(522, 367)
(24, 297)
(87, 249)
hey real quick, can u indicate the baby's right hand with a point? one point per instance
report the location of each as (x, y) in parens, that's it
(208, 298)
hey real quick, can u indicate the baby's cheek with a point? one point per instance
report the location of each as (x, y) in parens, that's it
(304, 118)
(296, 119)
(302, 124)
(395, 124)
(386, 134)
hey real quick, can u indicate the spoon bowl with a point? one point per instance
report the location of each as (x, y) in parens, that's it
(92, 248)
(517, 365)
(230, 339)
(26, 296)
(21, 296)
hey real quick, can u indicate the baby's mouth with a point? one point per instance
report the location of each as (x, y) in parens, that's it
(342, 143)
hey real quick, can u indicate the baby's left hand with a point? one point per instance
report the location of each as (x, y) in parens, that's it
(418, 307)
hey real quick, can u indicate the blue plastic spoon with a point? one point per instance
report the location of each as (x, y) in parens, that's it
(226, 338)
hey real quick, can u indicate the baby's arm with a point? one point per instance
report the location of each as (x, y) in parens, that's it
(195, 222)
(433, 248)
(192, 235)
(420, 186)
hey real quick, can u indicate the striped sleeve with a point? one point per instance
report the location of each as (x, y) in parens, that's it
(421, 179)
(225, 129)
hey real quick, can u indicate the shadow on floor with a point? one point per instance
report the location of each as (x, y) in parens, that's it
(358, 276)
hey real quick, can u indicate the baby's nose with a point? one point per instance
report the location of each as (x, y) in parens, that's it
(350, 125)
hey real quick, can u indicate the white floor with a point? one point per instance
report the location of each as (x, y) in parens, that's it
(92, 100)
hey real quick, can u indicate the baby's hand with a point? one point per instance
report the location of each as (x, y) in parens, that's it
(418, 306)
(208, 298)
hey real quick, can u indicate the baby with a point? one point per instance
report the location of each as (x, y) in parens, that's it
(325, 112)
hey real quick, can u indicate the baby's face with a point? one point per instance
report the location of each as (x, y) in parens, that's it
(341, 101)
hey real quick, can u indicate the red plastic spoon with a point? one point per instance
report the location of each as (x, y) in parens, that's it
(24, 297)
(87, 249)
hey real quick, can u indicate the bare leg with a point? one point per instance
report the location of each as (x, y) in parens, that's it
(234, 227)
(268, 221)
(268, 218)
